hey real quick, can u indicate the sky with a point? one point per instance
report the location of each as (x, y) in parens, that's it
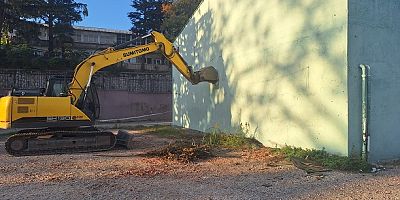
(110, 14)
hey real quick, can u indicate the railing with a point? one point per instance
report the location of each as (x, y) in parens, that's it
(136, 82)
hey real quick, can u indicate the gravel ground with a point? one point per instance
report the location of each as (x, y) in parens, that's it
(232, 174)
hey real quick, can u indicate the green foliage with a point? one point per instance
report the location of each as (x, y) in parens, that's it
(75, 56)
(177, 16)
(14, 15)
(165, 131)
(39, 62)
(20, 50)
(237, 139)
(325, 159)
(147, 15)
(17, 55)
(216, 138)
(59, 15)
(61, 11)
(27, 32)
(21, 56)
(59, 62)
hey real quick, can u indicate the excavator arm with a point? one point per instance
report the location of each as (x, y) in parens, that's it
(84, 71)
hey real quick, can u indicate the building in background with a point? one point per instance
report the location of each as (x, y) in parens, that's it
(92, 39)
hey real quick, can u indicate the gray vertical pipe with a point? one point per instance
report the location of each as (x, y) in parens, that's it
(364, 110)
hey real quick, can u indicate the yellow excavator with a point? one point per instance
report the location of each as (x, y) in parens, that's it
(60, 118)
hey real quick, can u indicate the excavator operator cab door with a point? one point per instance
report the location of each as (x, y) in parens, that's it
(57, 87)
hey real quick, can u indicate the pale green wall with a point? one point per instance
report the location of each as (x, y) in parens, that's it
(374, 32)
(283, 70)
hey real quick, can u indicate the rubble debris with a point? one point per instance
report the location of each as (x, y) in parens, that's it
(182, 151)
(308, 166)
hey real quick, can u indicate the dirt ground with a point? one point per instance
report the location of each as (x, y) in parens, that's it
(231, 174)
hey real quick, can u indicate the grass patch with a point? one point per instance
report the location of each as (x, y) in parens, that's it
(238, 139)
(230, 141)
(326, 159)
(165, 131)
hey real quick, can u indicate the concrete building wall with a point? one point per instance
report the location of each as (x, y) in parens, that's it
(374, 32)
(120, 104)
(283, 71)
(121, 95)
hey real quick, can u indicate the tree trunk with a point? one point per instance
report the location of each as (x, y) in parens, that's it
(62, 49)
(51, 37)
(2, 18)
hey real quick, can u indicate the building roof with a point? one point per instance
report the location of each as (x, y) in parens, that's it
(95, 29)
(84, 28)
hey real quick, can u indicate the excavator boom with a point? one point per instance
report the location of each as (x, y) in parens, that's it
(85, 70)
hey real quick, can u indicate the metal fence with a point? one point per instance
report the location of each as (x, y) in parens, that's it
(135, 82)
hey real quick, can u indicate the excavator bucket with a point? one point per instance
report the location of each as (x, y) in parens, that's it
(206, 74)
(125, 139)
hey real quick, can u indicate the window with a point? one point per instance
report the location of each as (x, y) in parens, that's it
(76, 37)
(90, 38)
(140, 60)
(157, 61)
(93, 38)
(148, 60)
(138, 42)
(122, 38)
(133, 60)
(106, 39)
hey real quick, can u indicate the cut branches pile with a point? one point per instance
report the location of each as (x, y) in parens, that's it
(182, 151)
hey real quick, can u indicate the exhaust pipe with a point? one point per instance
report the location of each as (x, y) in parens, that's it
(206, 74)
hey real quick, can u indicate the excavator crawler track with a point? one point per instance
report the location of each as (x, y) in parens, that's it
(52, 141)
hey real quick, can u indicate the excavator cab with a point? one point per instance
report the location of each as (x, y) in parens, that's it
(57, 86)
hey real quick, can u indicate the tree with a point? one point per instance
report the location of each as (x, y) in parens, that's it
(59, 15)
(14, 15)
(26, 32)
(177, 15)
(4, 11)
(147, 15)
